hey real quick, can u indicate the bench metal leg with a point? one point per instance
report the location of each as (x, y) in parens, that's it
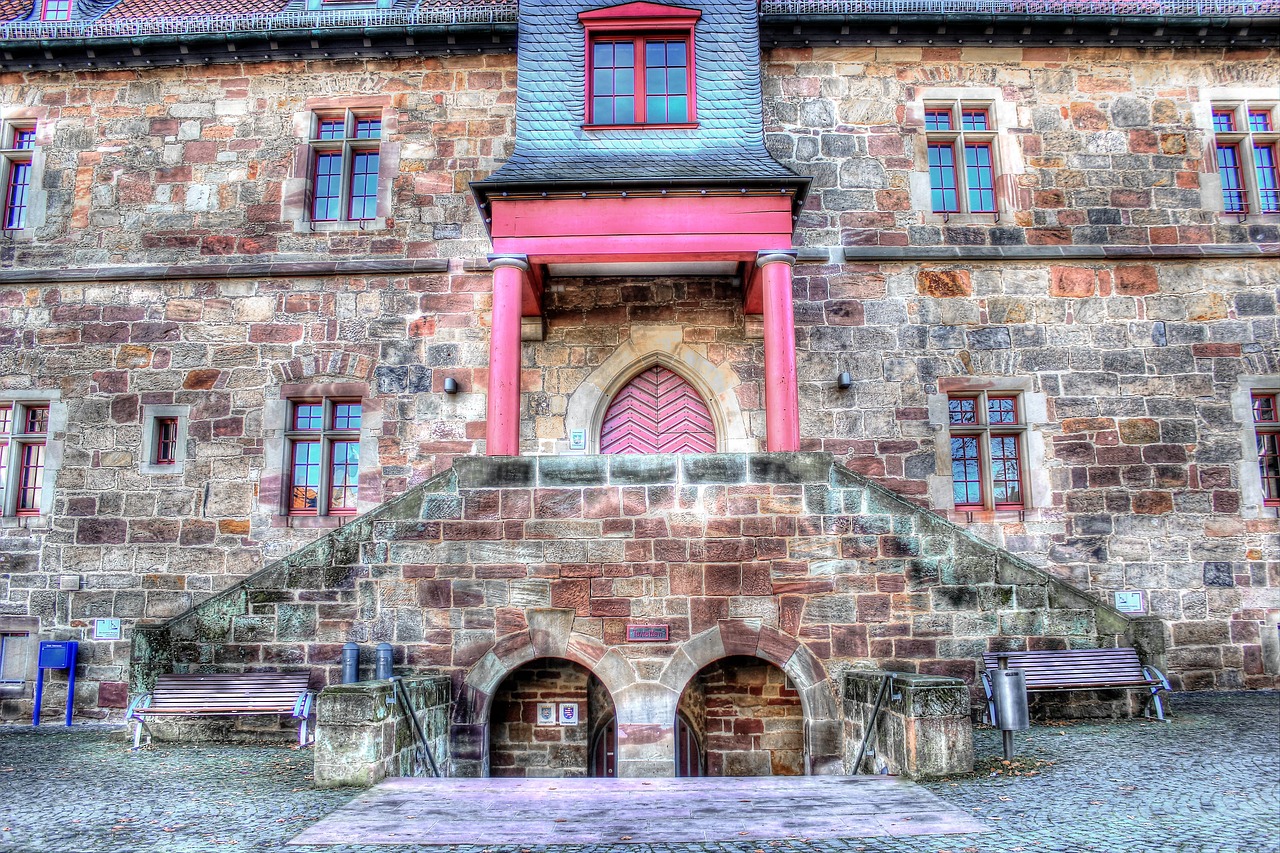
(138, 725)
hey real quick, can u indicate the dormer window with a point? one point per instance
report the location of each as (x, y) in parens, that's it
(640, 68)
(55, 10)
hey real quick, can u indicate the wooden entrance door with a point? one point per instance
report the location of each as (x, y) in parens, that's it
(658, 412)
(688, 752)
(604, 751)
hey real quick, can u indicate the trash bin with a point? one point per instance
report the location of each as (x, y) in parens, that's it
(1009, 690)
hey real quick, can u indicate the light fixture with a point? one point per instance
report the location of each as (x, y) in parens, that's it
(450, 385)
(844, 381)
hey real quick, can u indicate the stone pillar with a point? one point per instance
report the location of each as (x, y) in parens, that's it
(781, 388)
(503, 429)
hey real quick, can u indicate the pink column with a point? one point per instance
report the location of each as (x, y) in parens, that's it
(503, 429)
(781, 389)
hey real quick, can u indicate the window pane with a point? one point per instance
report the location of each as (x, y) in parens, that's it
(37, 420)
(1232, 179)
(980, 178)
(364, 185)
(305, 483)
(1006, 471)
(942, 178)
(677, 81)
(678, 108)
(15, 205)
(666, 82)
(166, 441)
(974, 120)
(6, 419)
(624, 110)
(655, 81)
(344, 476)
(1224, 121)
(937, 119)
(329, 128)
(30, 478)
(624, 81)
(1269, 465)
(24, 138)
(56, 10)
(4, 470)
(962, 410)
(602, 55)
(1002, 410)
(328, 186)
(966, 471)
(346, 416)
(677, 53)
(308, 416)
(655, 109)
(1264, 408)
(624, 54)
(655, 54)
(368, 128)
(1259, 120)
(1264, 166)
(602, 81)
(602, 111)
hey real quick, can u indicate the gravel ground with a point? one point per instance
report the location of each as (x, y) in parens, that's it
(1207, 781)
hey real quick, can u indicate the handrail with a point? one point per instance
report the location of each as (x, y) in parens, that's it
(1072, 8)
(493, 12)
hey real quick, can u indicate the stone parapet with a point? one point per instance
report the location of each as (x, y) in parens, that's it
(363, 734)
(924, 730)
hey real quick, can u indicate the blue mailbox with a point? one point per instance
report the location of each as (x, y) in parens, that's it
(58, 655)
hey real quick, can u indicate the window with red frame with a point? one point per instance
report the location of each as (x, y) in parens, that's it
(957, 130)
(986, 435)
(1245, 146)
(324, 456)
(640, 66)
(345, 161)
(56, 10)
(166, 432)
(19, 145)
(24, 432)
(1266, 425)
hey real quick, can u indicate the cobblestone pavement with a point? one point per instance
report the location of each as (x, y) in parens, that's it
(1208, 781)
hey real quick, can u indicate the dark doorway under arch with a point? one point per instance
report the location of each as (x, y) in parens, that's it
(520, 744)
(750, 719)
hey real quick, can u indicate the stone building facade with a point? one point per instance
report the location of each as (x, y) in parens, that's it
(170, 268)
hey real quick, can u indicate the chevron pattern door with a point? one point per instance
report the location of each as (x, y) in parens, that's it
(657, 412)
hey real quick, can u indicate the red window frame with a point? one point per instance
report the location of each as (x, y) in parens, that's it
(1267, 176)
(166, 450)
(1266, 424)
(1231, 172)
(1224, 121)
(55, 10)
(31, 460)
(986, 440)
(640, 23)
(346, 159)
(980, 177)
(961, 158)
(324, 457)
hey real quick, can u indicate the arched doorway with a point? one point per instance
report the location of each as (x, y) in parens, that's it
(544, 719)
(749, 717)
(658, 411)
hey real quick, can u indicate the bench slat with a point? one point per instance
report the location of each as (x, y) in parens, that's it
(1076, 668)
(226, 693)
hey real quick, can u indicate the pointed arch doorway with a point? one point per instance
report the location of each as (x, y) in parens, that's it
(658, 411)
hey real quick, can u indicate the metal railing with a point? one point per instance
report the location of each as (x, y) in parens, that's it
(335, 19)
(1073, 8)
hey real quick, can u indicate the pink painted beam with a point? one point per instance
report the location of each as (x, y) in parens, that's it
(502, 432)
(781, 388)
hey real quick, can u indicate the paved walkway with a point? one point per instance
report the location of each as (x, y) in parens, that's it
(1206, 782)
(642, 811)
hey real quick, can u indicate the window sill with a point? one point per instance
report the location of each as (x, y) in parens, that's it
(18, 235)
(309, 226)
(932, 218)
(312, 522)
(31, 522)
(1250, 218)
(157, 469)
(681, 126)
(987, 516)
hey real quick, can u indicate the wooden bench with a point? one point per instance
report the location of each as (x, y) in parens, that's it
(1080, 669)
(223, 694)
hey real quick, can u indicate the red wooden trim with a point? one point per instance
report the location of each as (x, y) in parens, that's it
(685, 126)
(674, 215)
(652, 11)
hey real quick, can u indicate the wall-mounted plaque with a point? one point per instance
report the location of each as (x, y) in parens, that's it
(546, 713)
(1131, 601)
(569, 713)
(106, 629)
(577, 439)
(648, 633)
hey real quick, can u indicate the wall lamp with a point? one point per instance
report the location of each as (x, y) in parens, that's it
(450, 385)
(844, 381)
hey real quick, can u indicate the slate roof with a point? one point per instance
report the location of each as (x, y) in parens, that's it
(552, 146)
(14, 10)
(177, 8)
